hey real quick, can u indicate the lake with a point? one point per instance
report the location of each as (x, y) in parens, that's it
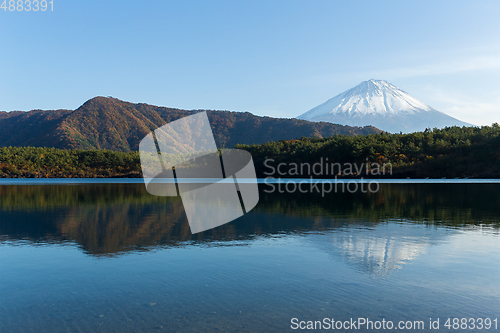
(93, 256)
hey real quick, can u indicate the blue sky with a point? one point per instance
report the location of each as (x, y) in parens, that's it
(276, 58)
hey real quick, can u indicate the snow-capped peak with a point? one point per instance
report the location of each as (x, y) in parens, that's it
(383, 105)
(369, 97)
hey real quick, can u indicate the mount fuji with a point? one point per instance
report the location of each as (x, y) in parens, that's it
(383, 105)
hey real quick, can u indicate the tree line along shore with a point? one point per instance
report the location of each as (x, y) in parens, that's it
(451, 152)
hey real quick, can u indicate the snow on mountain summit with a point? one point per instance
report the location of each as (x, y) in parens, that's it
(372, 96)
(383, 105)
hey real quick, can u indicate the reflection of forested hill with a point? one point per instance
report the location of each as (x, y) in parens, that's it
(112, 218)
(448, 204)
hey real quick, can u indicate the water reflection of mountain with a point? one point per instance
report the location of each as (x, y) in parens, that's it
(106, 219)
(381, 248)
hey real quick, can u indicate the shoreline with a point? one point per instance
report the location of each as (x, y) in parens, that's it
(68, 181)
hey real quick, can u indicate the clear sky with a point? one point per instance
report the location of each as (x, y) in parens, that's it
(276, 58)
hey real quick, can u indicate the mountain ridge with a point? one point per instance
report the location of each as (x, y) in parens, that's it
(110, 123)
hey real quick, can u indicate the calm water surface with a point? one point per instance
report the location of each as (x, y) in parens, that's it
(112, 258)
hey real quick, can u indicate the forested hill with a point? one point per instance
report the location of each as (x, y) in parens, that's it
(109, 123)
(450, 152)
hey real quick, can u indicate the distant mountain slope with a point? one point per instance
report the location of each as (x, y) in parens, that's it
(109, 123)
(383, 105)
(31, 128)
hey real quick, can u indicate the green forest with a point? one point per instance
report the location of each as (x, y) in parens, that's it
(450, 152)
(30, 162)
